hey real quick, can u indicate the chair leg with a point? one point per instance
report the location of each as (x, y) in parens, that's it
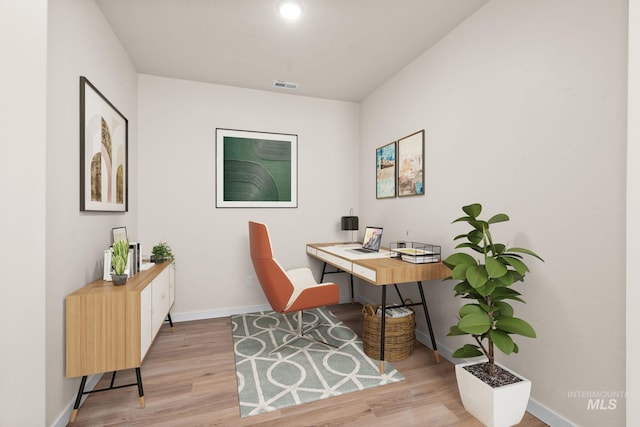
(301, 333)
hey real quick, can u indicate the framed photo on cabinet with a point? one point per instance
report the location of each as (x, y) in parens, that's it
(103, 152)
(411, 165)
(256, 169)
(386, 171)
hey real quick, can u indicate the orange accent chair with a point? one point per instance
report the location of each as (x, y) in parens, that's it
(289, 291)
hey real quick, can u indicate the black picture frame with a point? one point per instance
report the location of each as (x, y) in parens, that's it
(411, 165)
(119, 233)
(386, 171)
(104, 153)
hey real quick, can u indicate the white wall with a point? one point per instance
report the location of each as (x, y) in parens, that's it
(177, 123)
(524, 111)
(23, 33)
(633, 212)
(80, 43)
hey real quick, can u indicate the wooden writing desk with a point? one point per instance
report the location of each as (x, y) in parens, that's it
(381, 270)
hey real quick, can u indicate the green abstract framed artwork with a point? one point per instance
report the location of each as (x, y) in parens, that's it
(256, 169)
(103, 153)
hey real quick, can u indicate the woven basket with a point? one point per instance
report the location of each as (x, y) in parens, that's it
(399, 337)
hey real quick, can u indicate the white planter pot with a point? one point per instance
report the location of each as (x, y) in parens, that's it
(495, 407)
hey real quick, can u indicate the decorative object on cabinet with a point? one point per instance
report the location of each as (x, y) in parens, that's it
(135, 314)
(119, 233)
(119, 261)
(411, 165)
(490, 320)
(161, 252)
(386, 171)
(256, 169)
(103, 152)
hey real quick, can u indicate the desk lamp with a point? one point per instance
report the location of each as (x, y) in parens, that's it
(349, 223)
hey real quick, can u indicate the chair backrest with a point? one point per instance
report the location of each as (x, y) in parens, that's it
(274, 281)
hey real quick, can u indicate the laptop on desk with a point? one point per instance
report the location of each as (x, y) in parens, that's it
(371, 242)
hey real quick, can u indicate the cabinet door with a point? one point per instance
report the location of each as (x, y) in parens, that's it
(172, 285)
(145, 321)
(160, 300)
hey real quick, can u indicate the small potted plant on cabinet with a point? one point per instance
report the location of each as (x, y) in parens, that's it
(491, 393)
(119, 262)
(161, 252)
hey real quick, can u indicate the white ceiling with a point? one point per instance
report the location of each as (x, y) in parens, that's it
(338, 49)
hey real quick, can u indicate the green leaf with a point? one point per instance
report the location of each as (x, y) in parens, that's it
(498, 218)
(463, 219)
(516, 349)
(502, 340)
(475, 236)
(476, 275)
(470, 245)
(467, 350)
(463, 287)
(460, 258)
(516, 326)
(471, 309)
(495, 268)
(506, 293)
(473, 210)
(499, 248)
(503, 309)
(486, 289)
(519, 266)
(475, 324)
(526, 251)
(510, 278)
(454, 330)
(459, 272)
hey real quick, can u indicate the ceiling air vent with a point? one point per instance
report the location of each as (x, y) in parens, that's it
(285, 85)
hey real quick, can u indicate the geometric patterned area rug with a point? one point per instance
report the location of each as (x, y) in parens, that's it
(302, 371)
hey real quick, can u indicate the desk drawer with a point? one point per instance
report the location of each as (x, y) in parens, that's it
(365, 272)
(338, 262)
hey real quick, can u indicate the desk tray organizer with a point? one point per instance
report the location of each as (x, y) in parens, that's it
(399, 337)
(416, 252)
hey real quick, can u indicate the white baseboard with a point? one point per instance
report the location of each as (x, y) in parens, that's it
(224, 312)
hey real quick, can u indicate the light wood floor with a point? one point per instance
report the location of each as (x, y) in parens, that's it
(189, 380)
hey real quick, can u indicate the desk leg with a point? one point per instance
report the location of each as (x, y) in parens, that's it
(324, 268)
(324, 271)
(352, 297)
(382, 327)
(426, 315)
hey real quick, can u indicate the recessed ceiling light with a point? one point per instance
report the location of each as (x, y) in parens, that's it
(290, 9)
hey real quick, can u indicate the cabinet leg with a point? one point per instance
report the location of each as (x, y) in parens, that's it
(170, 321)
(140, 391)
(76, 405)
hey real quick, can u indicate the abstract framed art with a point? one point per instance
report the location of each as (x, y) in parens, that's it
(103, 152)
(386, 171)
(411, 165)
(256, 169)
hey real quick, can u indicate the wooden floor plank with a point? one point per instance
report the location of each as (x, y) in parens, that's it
(189, 380)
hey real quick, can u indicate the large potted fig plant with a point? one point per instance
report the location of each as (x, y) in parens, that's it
(485, 272)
